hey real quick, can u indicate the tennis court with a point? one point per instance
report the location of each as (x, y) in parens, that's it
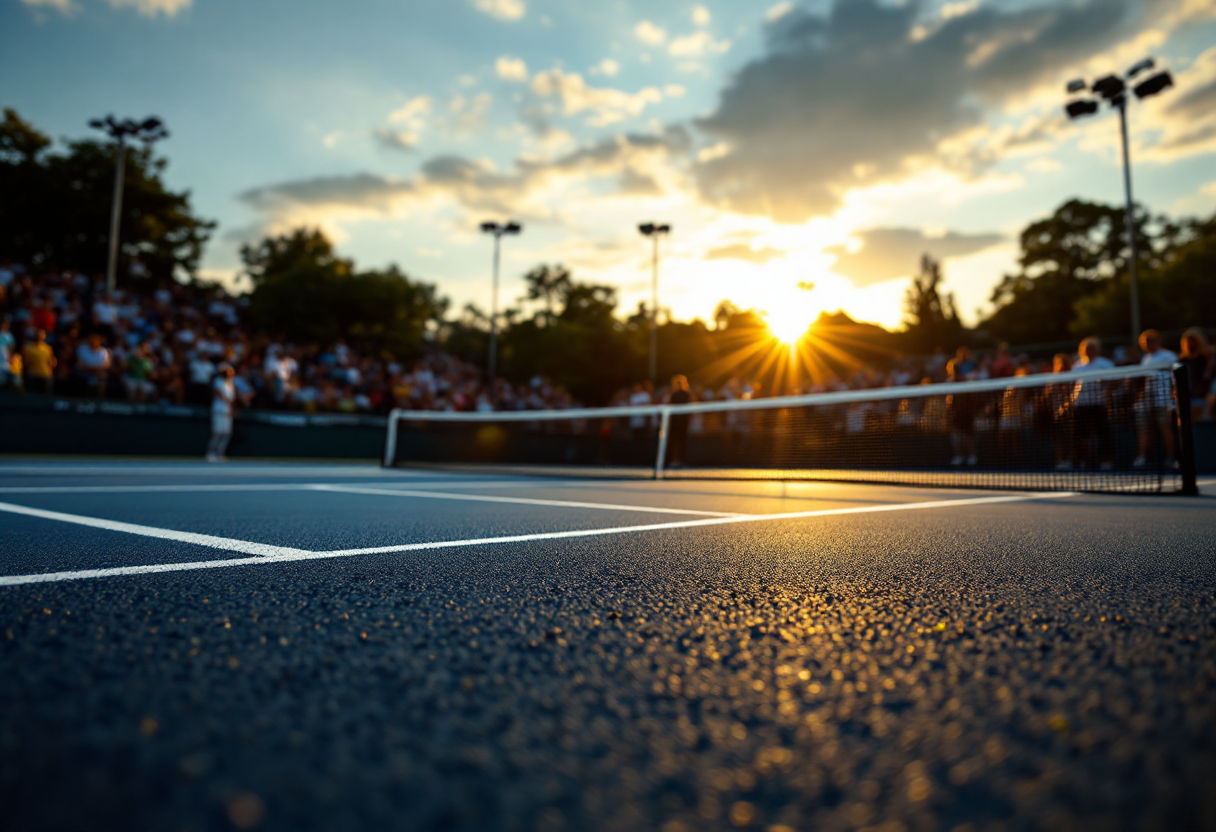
(350, 647)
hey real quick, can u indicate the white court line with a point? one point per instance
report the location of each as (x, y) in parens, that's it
(227, 543)
(528, 501)
(239, 486)
(205, 469)
(277, 554)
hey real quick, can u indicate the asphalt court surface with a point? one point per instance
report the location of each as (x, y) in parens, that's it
(345, 647)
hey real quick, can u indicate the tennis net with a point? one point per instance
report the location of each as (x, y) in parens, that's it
(1117, 430)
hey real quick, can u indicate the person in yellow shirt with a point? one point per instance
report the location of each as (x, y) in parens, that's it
(39, 361)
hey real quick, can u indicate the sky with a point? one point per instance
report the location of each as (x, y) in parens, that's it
(827, 143)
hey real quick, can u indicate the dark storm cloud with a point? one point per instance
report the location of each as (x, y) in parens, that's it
(889, 253)
(856, 95)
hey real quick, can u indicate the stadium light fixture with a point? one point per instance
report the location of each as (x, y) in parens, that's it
(654, 231)
(499, 230)
(150, 130)
(1113, 90)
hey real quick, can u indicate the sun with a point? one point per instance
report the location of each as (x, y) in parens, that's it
(787, 324)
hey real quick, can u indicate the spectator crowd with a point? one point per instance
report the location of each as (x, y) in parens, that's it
(1193, 351)
(62, 333)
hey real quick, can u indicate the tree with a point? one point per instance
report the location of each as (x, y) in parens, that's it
(930, 320)
(547, 284)
(1179, 292)
(1071, 254)
(304, 292)
(56, 207)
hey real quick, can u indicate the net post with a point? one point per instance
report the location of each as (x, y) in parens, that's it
(664, 424)
(1186, 438)
(390, 439)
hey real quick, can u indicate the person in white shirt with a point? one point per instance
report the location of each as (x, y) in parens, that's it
(105, 315)
(200, 369)
(1090, 409)
(223, 399)
(93, 363)
(1155, 409)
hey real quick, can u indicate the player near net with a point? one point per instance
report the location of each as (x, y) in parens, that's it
(677, 442)
(223, 400)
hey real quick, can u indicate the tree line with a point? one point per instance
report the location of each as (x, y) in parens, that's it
(1071, 281)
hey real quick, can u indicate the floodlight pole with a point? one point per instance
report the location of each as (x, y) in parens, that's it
(498, 230)
(654, 309)
(120, 169)
(1116, 91)
(654, 231)
(1133, 285)
(493, 360)
(149, 130)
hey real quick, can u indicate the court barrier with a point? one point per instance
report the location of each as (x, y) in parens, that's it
(32, 424)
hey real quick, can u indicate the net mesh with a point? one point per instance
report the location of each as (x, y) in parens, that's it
(1102, 431)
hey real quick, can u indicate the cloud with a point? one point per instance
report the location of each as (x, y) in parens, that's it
(887, 94)
(697, 45)
(408, 122)
(501, 9)
(467, 115)
(890, 253)
(64, 7)
(575, 96)
(511, 69)
(650, 34)
(395, 139)
(636, 162)
(742, 251)
(607, 67)
(152, 8)
(700, 16)
(778, 11)
(147, 8)
(674, 90)
(1189, 111)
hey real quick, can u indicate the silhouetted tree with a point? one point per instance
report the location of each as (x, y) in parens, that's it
(930, 320)
(55, 209)
(303, 291)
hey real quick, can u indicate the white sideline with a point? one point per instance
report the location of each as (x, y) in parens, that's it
(238, 486)
(227, 543)
(528, 501)
(279, 554)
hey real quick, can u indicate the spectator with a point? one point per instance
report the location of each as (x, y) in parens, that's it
(43, 317)
(137, 375)
(38, 361)
(1052, 412)
(201, 371)
(93, 362)
(223, 401)
(1002, 363)
(1090, 408)
(677, 427)
(962, 409)
(105, 316)
(1200, 362)
(7, 351)
(1155, 414)
(639, 398)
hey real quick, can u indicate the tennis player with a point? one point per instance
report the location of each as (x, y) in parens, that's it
(223, 399)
